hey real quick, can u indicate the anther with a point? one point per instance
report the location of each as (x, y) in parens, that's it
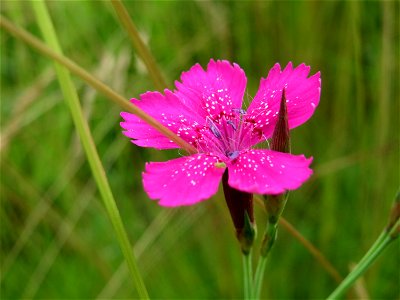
(230, 122)
(240, 111)
(234, 154)
(214, 129)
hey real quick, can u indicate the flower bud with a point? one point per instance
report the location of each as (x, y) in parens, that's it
(281, 143)
(275, 204)
(281, 136)
(240, 206)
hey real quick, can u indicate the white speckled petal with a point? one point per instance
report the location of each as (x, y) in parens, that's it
(219, 89)
(167, 109)
(268, 172)
(183, 181)
(302, 97)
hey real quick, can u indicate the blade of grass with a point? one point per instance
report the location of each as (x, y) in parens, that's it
(94, 82)
(82, 127)
(139, 45)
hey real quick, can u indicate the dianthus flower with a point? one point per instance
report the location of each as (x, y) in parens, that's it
(206, 111)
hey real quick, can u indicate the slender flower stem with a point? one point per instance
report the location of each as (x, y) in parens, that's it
(82, 127)
(139, 45)
(247, 276)
(93, 81)
(274, 205)
(382, 242)
(258, 278)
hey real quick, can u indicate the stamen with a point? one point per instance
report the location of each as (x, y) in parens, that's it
(230, 122)
(214, 129)
(233, 154)
(240, 111)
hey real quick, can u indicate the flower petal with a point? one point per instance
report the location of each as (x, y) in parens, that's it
(168, 110)
(182, 181)
(268, 172)
(218, 89)
(302, 97)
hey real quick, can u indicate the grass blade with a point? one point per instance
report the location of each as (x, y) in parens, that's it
(71, 97)
(139, 45)
(94, 82)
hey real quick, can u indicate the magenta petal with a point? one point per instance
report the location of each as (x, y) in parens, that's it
(209, 92)
(302, 94)
(182, 181)
(167, 109)
(268, 172)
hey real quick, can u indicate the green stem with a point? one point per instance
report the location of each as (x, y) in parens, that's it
(258, 279)
(247, 276)
(139, 45)
(381, 243)
(82, 127)
(92, 81)
(274, 205)
(266, 246)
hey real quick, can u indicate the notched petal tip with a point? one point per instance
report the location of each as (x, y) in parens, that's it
(126, 116)
(134, 101)
(276, 66)
(289, 67)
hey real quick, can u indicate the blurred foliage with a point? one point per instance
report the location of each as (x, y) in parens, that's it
(56, 240)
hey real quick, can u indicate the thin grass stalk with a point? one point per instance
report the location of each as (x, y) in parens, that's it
(139, 45)
(82, 127)
(93, 81)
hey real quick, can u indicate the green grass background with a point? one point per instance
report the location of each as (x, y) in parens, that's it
(56, 239)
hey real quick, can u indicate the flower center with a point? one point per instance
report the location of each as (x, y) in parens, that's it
(228, 134)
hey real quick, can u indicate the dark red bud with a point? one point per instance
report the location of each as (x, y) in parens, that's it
(281, 137)
(240, 206)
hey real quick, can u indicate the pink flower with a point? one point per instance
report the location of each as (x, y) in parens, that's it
(206, 111)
